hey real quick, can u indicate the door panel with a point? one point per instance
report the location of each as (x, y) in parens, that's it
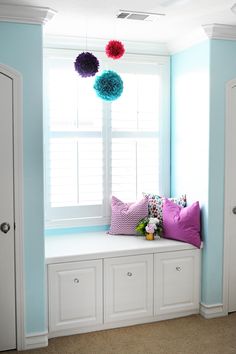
(128, 288)
(7, 266)
(176, 281)
(75, 295)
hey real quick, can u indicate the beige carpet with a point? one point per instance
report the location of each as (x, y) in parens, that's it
(189, 335)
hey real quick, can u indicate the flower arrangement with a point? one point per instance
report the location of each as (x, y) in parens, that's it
(149, 226)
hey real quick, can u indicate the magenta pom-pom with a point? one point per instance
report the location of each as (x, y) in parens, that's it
(115, 49)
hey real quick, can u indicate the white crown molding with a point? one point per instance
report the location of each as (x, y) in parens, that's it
(210, 31)
(98, 44)
(25, 14)
(220, 31)
(187, 41)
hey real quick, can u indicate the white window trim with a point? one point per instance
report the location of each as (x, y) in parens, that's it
(163, 62)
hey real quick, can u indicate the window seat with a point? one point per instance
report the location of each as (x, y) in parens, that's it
(97, 281)
(95, 245)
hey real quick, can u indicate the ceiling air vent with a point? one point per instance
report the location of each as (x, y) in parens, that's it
(138, 15)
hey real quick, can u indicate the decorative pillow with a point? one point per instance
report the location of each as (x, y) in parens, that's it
(155, 204)
(125, 216)
(182, 224)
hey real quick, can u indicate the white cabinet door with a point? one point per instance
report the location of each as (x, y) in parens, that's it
(75, 295)
(176, 281)
(128, 287)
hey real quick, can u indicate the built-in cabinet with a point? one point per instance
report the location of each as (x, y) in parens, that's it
(110, 292)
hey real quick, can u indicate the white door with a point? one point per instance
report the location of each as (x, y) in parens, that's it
(7, 259)
(230, 195)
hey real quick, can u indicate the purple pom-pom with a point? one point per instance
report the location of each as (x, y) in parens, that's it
(86, 64)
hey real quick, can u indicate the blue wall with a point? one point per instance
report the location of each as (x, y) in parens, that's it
(197, 152)
(190, 99)
(222, 69)
(21, 49)
(190, 125)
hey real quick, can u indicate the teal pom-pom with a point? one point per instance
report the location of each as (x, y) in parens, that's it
(109, 85)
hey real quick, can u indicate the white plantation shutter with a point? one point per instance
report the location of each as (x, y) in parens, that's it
(134, 168)
(63, 172)
(75, 172)
(95, 149)
(139, 107)
(75, 148)
(135, 137)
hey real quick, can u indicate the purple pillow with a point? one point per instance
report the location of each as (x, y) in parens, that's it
(182, 224)
(125, 216)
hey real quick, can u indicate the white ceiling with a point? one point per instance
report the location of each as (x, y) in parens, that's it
(97, 18)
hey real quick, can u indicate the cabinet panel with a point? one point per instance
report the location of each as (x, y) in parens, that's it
(176, 281)
(75, 294)
(128, 287)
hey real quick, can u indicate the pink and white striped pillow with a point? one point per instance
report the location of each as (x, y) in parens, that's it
(125, 216)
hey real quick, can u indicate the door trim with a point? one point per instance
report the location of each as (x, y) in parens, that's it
(227, 204)
(18, 200)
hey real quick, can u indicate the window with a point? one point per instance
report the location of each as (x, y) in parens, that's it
(95, 149)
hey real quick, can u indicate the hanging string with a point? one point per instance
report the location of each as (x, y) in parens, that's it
(86, 34)
(114, 48)
(86, 64)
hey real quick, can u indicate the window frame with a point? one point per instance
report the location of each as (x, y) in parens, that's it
(161, 63)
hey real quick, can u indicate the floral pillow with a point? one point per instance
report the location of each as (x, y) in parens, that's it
(155, 204)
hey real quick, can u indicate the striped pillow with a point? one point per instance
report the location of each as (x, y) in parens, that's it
(126, 216)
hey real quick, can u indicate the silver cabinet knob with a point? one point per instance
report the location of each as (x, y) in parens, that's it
(178, 269)
(234, 210)
(5, 227)
(129, 274)
(76, 280)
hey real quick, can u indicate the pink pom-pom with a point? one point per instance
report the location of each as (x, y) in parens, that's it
(115, 49)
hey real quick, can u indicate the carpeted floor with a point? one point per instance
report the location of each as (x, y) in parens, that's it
(189, 335)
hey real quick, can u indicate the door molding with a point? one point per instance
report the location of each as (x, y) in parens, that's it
(18, 200)
(227, 203)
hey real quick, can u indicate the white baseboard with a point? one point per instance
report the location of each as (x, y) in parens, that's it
(170, 316)
(212, 311)
(119, 324)
(36, 340)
